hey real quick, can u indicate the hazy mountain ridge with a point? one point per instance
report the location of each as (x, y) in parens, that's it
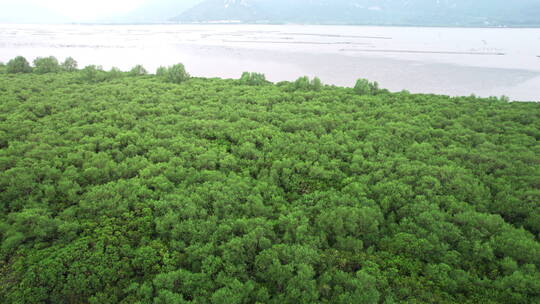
(386, 12)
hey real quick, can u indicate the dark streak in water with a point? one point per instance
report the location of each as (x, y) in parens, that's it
(80, 46)
(337, 36)
(296, 42)
(423, 52)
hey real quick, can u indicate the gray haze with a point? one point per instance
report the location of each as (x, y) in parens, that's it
(55, 11)
(24, 11)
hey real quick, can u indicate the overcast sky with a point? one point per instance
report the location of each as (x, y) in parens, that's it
(82, 10)
(89, 9)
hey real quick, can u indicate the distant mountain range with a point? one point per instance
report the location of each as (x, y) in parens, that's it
(379, 12)
(516, 13)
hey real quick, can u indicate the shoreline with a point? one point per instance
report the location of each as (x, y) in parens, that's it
(437, 61)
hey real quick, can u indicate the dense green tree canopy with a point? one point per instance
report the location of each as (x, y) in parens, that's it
(304, 83)
(69, 64)
(365, 87)
(43, 65)
(173, 74)
(138, 70)
(253, 79)
(118, 189)
(18, 64)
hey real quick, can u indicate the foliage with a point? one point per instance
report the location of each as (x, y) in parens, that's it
(91, 73)
(161, 71)
(43, 65)
(316, 84)
(138, 70)
(95, 74)
(115, 73)
(121, 189)
(304, 83)
(18, 64)
(253, 79)
(364, 87)
(173, 74)
(69, 65)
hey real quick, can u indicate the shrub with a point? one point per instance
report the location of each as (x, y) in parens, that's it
(114, 73)
(138, 70)
(283, 83)
(303, 83)
(253, 79)
(316, 84)
(43, 65)
(174, 74)
(69, 65)
(364, 87)
(18, 64)
(161, 71)
(91, 73)
(177, 73)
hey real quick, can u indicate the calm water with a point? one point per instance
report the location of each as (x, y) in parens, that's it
(453, 61)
